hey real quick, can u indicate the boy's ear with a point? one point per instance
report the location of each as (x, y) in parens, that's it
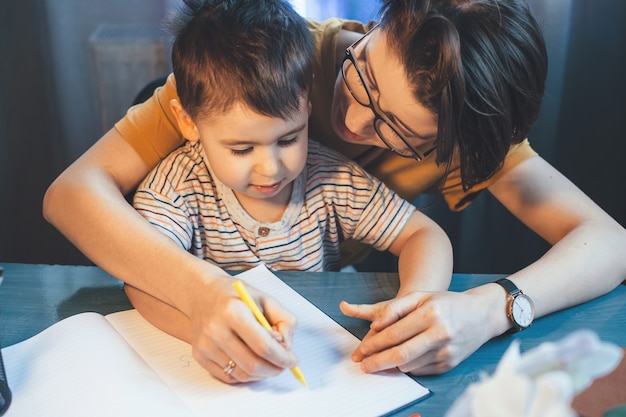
(185, 124)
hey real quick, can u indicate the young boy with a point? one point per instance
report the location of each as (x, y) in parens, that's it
(249, 187)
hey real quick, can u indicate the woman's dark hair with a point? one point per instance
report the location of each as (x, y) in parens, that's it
(258, 52)
(480, 65)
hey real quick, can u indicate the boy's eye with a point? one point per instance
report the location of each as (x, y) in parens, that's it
(240, 152)
(281, 143)
(287, 142)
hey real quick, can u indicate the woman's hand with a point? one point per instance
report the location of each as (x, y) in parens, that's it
(423, 332)
(228, 331)
(223, 329)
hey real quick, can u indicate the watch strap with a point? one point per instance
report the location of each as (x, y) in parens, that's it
(513, 292)
(509, 287)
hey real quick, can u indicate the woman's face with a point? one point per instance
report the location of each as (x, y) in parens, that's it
(390, 90)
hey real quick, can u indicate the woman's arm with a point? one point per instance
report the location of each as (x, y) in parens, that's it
(86, 203)
(586, 259)
(436, 331)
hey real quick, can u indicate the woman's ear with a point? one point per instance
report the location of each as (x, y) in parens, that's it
(185, 123)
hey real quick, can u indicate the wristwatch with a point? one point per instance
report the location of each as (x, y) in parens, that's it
(520, 308)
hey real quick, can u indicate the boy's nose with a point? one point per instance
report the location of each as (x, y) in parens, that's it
(269, 165)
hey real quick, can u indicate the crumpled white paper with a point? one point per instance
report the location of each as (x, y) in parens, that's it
(540, 382)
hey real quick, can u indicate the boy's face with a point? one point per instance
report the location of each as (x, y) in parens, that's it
(256, 156)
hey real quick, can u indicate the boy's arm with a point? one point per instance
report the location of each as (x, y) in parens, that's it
(425, 256)
(162, 315)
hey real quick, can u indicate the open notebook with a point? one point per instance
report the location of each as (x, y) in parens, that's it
(120, 365)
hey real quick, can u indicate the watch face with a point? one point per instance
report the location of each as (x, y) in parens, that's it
(523, 310)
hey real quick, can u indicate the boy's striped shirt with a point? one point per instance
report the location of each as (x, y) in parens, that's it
(333, 199)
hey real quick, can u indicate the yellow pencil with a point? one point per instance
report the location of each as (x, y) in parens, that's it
(249, 301)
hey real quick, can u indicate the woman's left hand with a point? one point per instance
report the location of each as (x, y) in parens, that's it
(422, 332)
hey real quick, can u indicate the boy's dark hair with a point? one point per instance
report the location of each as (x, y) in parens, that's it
(258, 52)
(480, 65)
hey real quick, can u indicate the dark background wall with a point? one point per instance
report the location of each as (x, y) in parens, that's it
(48, 118)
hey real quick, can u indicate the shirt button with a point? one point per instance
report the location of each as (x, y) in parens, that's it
(263, 231)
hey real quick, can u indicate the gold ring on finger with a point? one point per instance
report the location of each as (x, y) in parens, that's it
(228, 369)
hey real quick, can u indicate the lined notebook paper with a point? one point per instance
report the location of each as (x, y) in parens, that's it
(121, 365)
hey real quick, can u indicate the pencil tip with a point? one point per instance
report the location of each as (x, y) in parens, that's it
(299, 376)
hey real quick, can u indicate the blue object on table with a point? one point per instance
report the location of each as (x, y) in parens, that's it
(619, 411)
(5, 392)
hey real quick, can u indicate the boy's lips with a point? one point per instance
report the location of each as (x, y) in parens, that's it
(268, 189)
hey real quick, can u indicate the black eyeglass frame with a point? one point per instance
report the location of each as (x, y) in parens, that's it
(373, 106)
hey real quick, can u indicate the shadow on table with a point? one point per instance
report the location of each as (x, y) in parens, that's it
(103, 300)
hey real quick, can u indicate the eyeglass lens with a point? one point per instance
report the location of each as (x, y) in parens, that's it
(387, 133)
(355, 83)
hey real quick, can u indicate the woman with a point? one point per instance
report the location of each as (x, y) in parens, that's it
(455, 86)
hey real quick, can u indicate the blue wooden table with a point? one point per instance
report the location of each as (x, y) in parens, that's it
(33, 297)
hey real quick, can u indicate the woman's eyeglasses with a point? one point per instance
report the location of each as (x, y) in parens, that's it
(355, 81)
